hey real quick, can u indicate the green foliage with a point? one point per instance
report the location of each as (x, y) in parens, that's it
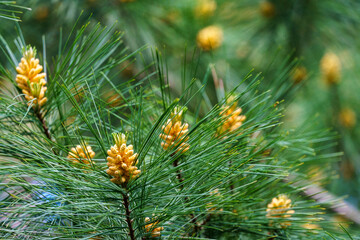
(9, 9)
(219, 188)
(98, 85)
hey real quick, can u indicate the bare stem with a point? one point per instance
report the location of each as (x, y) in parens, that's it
(43, 123)
(128, 218)
(178, 173)
(231, 182)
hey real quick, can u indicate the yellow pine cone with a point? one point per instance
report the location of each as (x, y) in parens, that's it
(267, 9)
(210, 38)
(122, 161)
(331, 68)
(155, 231)
(205, 8)
(174, 132)
(41, 13)
(30, 79)
(347, 118)
(232, 118)
(299, 74)
(82, 154)
(280, 208)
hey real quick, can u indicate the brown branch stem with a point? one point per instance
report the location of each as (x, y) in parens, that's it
(178, 173)
(128, 218)
(43, 124)
(231, 182)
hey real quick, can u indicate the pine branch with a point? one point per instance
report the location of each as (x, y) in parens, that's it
(322, 196)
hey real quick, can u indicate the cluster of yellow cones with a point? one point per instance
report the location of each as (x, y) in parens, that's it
(30, 78)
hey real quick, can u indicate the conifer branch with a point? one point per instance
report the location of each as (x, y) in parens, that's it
(322, 196)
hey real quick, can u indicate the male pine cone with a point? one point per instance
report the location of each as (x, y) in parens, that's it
(83, 154)
(280, 207)
(331, 68)
(122, 161)
(210, 38)
(174, 132)
(153, 228)
(231, 115)
(30, 79)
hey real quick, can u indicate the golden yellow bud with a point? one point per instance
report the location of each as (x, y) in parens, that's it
(267, 9)
(210, 38)
(41, 13)
(152, 227)
(83, 154)
(205, 8)
(121, 161)
(231, 115)
(331, 68)
(299, 74)
(347, 118)
(174, 132)
(30, 79)
(280, 208)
